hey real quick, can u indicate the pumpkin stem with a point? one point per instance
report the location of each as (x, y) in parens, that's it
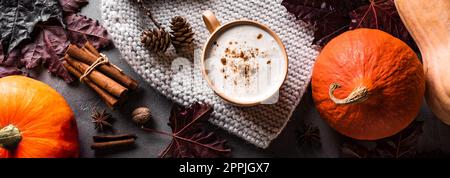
(9, 136)
(358, 95)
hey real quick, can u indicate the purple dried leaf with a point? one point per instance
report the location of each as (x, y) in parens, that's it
(189, 137)
(382, 15)
(330, 17)
(72, 6)
(81, 29)
(7, 71)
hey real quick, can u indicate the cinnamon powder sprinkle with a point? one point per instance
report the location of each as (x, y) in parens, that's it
(259, 36)
(224, 61)
(241, 55)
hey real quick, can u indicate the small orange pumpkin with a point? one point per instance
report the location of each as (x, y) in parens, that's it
(368, 84)
(35, 121)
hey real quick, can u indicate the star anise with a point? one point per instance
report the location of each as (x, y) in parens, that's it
(101, 119)
(309, 135)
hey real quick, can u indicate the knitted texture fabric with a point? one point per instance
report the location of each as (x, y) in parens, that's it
(180, 79)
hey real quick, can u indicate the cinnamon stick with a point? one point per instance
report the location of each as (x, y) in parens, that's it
(91, 56)
(106, 138)
(91, 49)
(112, 144)
(110, 101)
(98, 78)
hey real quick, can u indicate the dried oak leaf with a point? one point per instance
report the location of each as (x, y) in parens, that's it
(19, 17)
(81, 29)
(382, 15)
(72, 6)
(189, 138)
(401, 145)
(330, 17)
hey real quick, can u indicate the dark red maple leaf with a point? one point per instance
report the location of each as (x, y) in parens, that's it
(72, 6)
(333, 17)
(330, 17)
(189, 138)
(81, 29)
(401, 145)
(382, 15)
(354, 150)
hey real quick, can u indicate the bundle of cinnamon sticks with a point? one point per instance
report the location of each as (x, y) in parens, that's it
(107, 80)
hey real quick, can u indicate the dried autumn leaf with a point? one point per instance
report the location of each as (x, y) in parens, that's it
(330, 17)
(47, 47)
(189, 139)
(401, 145)
(81, 29)
(382, 15)
(7, 71)
(72, 6)
(354, 150)
(19, 17)
(50, 39)
(2, 55)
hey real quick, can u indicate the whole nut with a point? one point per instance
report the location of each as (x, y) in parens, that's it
(141, 115)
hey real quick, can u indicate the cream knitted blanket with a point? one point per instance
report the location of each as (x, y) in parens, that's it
(258, 125)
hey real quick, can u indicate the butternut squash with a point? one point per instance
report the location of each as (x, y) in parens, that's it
(429, 24)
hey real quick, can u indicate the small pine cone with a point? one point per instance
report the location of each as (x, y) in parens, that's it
(156, 40)
(182, 34)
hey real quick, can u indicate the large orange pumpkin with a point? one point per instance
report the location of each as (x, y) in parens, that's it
(35, 121)
(368, 84)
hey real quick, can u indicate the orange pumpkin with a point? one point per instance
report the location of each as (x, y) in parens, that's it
(368, 84)
(35, 121)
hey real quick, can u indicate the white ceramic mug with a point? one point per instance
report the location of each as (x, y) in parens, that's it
(216, 30)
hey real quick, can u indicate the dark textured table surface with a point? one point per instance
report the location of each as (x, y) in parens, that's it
(82, 100)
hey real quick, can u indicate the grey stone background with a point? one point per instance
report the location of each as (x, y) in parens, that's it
(82, 100)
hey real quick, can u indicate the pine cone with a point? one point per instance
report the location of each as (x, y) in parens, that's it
(182, 34)
(156, 40)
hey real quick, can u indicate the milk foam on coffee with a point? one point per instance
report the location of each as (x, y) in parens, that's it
(245, 63)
